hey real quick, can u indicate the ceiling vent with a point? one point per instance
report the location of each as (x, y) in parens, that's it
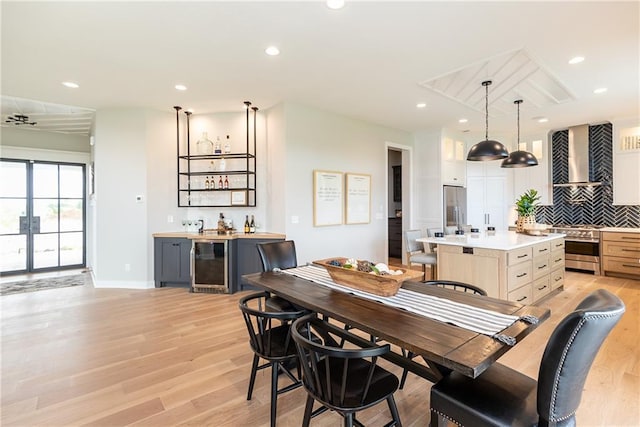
(515, 75)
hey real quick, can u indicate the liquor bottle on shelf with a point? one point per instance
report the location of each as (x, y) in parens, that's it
(252, 225)
(207, 184)
(218, 147)
(246, 224)
(212, 183)
(220, 183)
(226, 183)
(227, 146)
(204, 144)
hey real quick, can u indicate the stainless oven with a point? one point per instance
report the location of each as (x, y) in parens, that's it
(581, 247)
(210, 266)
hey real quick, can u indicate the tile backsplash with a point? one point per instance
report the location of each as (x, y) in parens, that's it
(587, 205)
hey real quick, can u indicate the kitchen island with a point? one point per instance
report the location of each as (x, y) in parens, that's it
(507, 265)
(208, 261)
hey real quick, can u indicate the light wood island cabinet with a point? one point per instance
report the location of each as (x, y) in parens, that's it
(507, 265)
(620, 252)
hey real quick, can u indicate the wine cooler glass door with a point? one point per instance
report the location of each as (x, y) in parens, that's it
(210, 261)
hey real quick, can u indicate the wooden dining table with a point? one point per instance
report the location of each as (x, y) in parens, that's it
(443, 346)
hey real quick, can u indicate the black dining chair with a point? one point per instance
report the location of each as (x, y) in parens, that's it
(343, 380)
(501, 396)
(447, 284)
(270, 339)
(278, 255)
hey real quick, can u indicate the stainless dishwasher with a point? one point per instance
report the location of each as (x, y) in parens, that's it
(210, 266)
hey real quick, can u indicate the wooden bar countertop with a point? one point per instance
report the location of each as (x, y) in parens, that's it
(213, 235)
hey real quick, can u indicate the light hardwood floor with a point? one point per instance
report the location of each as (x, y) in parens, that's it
(160, 357)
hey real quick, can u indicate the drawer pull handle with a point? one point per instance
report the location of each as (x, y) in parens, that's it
(629, 238)
(559, 245)
(630, 250)
(175, 244)
(521, 275)
(558, 260)
(543, 250)
(522, 256)
(542, 266)
(521, 299)
(631, 265)
(542, 287)
(558, 278)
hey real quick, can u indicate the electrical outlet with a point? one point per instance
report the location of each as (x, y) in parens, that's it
(127, 267)
(170, 219)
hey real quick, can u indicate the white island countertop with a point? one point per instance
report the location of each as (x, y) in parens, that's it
(502, 240)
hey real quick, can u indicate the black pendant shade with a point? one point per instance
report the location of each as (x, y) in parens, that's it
(487, 149)
(520, 158)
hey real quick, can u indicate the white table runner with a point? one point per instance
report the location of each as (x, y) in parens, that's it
(487, 322)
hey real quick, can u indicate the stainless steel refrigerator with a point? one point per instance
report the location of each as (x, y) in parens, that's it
(455, 206)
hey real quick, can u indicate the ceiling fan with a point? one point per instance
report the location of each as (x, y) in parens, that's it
(19, 119)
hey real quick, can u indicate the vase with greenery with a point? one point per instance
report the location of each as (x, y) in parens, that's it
(526, 207)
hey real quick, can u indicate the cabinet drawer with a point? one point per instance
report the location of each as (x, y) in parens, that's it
(622, 265)
(556, 278)
(541, 267)
(621, 249)
(557, 244)
(523, 295)
(541, 249)
(518, 276)
(541, 287)
(517, 256)
(621, 237)
(557, 259)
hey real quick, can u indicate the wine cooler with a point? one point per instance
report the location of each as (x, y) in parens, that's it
(210, 266)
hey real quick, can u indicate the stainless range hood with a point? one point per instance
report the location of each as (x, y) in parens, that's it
(578, 158)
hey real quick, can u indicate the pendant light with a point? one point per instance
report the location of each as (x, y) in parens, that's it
(520, 158)
(487, 149)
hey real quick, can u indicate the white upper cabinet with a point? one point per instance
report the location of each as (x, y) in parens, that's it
(626, 166)
(453, 159)
(536, 177)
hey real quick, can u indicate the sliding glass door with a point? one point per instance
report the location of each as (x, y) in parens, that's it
(42, 216)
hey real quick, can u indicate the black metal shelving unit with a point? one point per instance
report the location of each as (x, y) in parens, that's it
(239, 172)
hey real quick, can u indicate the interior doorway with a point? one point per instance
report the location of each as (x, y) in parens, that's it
(398, 199)
(42, 216)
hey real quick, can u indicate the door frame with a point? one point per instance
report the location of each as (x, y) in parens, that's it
(31, 156)
(407, 190)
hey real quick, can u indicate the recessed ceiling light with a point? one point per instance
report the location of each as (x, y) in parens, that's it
(181, 87)
(71, 85)
(600, 90)
(576, 60)
(335, 4)
(421, 105)
(463, 121)
(272, 51)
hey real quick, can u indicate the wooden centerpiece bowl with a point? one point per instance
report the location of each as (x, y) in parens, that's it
(385, 285)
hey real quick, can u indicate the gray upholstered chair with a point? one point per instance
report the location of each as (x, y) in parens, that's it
(501, 396)
(417, 254)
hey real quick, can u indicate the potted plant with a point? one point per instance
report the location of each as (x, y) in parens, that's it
(526, 207)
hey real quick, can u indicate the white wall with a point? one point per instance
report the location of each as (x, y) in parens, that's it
(33, 138)
(316, 139)
(122, 252)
